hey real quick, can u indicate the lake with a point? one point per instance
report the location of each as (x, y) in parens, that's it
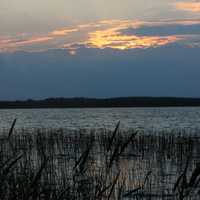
(160, 158)
(168, 118)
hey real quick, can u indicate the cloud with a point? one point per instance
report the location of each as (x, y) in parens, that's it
(4, 43)
(33, 40)
(114, 34)
(188, 6)
(12, 44)
(171, 70)
(112, 38)
(165, 30)
(63, 32)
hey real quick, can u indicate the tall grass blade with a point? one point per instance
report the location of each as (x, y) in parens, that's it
(12, 128)
(109, 145)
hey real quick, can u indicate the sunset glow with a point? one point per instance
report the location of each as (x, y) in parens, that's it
(99, 48)
(188, 6)
(63, 32)
(100, 34)
(33, 40)
(112, 38)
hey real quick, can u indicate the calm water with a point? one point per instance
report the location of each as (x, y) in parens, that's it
(144, 118)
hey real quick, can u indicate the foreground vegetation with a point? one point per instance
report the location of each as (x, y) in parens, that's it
(63, 164)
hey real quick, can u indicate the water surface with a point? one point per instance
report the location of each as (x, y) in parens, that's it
(171, 118)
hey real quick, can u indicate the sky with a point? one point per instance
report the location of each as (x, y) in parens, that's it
(99, 48)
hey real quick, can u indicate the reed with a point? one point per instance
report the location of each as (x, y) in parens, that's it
(63, 164)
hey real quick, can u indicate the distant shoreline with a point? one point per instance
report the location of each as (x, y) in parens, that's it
(102, 103)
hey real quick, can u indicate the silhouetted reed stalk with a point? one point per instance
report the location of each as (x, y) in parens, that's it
(59, 164)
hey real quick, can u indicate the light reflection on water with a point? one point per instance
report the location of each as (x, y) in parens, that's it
(144, 118)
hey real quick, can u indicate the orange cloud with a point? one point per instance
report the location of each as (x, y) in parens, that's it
(33, 40)
(100, 34)
(4, 43)
(188, 6)
(12, 44)
(112, 38)
(89, 25)
(63, 32)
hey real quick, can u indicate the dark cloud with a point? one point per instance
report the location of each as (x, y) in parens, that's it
(164, 30)
(170, 70)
